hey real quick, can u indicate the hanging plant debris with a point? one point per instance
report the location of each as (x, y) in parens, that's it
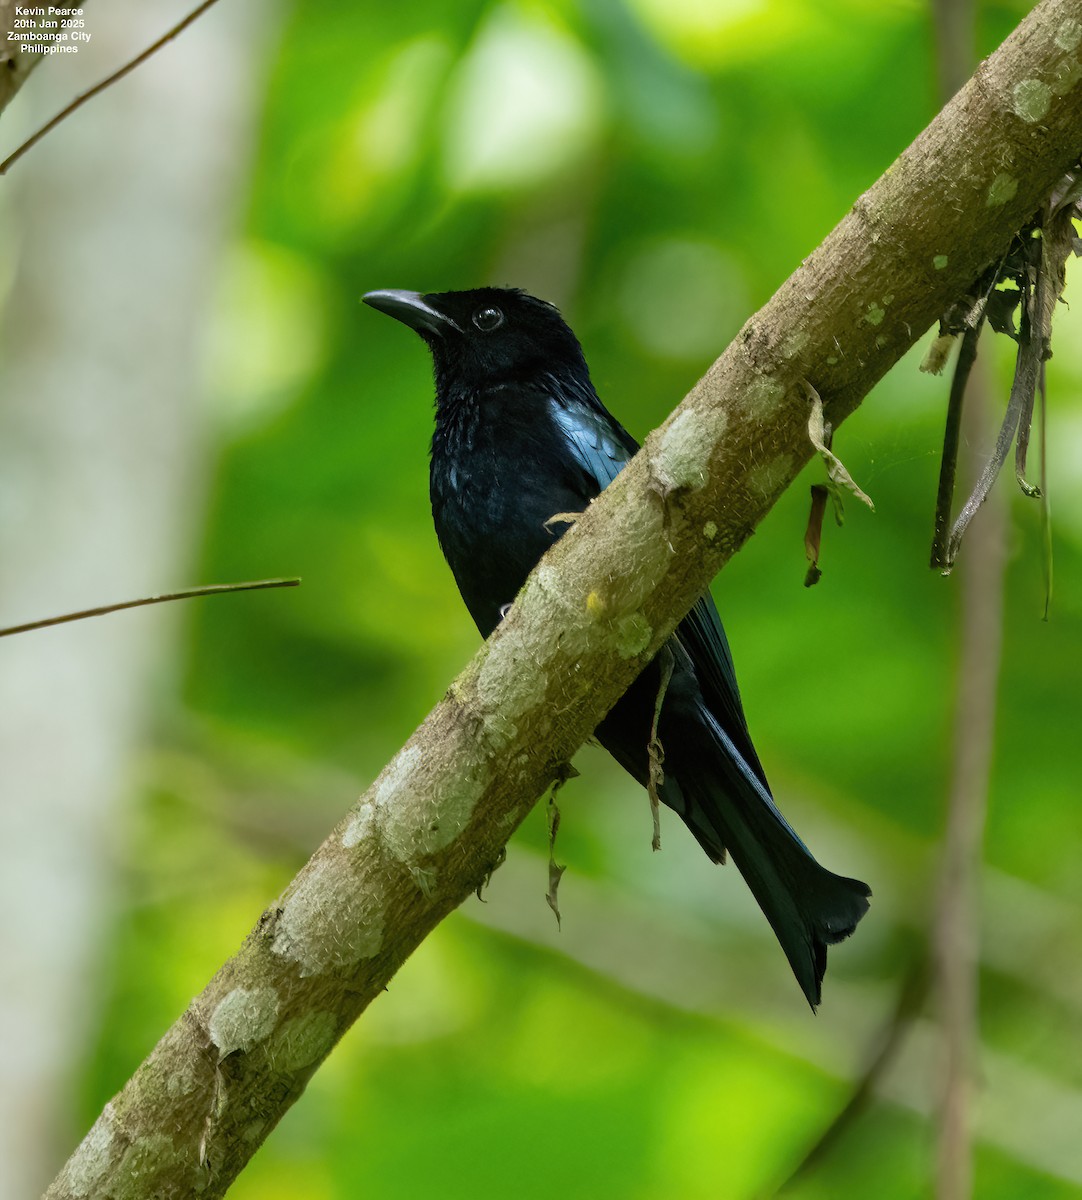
(1028, 280)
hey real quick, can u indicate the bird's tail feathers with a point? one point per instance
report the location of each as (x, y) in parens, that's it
(808, 907)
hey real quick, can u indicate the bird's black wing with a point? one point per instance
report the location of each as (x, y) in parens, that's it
(599, 444)
(602, 448)
(703, 636)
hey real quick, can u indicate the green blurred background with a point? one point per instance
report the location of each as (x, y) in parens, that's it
(656, 168)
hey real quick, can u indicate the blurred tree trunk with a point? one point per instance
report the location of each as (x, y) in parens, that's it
(100, 490)
(956, 930)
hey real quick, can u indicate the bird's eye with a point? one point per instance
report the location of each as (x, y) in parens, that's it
(487, 319)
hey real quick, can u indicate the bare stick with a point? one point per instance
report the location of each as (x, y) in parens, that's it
(1046, 510)
(957, 916)
(108, 81)
(967, 356)
(1024, 380)
(889, 1041)
(654, 749)
(213, 589)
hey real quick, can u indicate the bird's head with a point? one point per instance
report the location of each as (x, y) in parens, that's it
(485, 337)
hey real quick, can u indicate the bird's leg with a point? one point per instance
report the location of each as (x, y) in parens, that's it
(654, 749)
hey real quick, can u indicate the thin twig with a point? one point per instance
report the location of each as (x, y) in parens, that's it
(655, 751)
(1057, 239)
(108, 81)
(1037, 338)
(1024, 379)
(1046, 509)
(911, 997)
(213, 589)
(948, 468)
(958, 907)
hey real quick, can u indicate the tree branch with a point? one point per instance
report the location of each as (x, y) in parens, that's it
(435, 822)
(102, 610)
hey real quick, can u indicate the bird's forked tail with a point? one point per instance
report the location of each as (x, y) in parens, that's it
(808, 907)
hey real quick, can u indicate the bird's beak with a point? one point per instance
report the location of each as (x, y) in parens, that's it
(411, 309)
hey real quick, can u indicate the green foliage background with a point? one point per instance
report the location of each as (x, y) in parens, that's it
(657, 169)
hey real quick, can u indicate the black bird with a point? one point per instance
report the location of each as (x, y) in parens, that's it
(521, 436)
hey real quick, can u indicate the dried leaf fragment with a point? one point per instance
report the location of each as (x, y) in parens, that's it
(820, 439)
(813, 535)
(655, 751)
(555, 870)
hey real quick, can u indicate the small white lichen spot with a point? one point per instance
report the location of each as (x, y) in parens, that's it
(710, 531)
(1065, 75)
(416, 821)
(242, 1018)
(1031, 99)
(93, 1157)
(763, 398)
(679, 461)
(940, 262)
(360, 826)
(633, 634)
(396, 777)
(330, 922)
(1000, 190)
(545, 578)
(180, 1083)
(148, 1156)
(832, 360)
(501, 691)
(793, 343)
(1069, 35)
(769, 478)
(425, 878)
(302, 1041)
(499, 729)
(875, 314)
(653, 554)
